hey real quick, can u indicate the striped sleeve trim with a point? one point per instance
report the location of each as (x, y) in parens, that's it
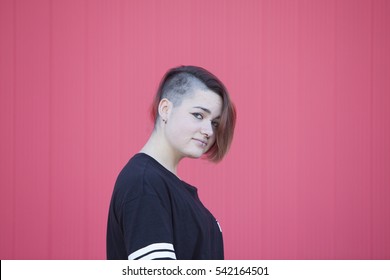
(154, 251)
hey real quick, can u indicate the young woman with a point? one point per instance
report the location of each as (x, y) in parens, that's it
(153, 214)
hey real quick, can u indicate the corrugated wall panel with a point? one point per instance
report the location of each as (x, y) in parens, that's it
(307, 176)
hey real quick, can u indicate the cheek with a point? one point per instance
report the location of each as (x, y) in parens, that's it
(185, 124)
(181, 130)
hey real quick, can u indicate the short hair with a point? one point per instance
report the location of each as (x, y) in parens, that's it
(181, 81)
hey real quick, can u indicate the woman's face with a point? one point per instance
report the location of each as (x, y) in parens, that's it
(191, 126)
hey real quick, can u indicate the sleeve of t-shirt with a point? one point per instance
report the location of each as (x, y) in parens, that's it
(147, 227)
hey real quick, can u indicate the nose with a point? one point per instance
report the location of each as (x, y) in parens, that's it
(207, 129)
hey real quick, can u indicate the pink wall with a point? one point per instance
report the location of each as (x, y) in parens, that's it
(308, 176)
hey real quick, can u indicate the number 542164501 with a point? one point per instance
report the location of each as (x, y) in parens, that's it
(228, 270)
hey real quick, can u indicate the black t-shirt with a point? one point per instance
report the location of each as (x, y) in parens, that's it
(155, 215)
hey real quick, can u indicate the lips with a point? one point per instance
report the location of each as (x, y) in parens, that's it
(203, 143)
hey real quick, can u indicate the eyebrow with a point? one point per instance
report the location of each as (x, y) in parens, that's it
(206, 110)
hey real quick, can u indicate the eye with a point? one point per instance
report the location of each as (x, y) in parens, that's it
(198, 116)
(215, 124)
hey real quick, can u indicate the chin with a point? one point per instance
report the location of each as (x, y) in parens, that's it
(194, 154)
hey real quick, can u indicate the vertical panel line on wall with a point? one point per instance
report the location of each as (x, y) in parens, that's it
(14, 135)
(334, 127)
(51, 206)
(85, 115)
(371, 128)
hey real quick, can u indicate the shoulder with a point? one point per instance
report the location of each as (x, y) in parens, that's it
(140, 176)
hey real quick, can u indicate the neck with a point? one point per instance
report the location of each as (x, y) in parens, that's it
(157, 148)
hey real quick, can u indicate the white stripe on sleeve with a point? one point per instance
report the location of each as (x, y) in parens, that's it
(159, 255)
(167, 251)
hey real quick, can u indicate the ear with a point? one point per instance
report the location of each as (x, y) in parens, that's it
(164, 108)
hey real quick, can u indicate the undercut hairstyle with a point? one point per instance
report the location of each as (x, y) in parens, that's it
(181, 82)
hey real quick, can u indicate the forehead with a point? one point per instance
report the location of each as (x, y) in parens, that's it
(203, 98)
